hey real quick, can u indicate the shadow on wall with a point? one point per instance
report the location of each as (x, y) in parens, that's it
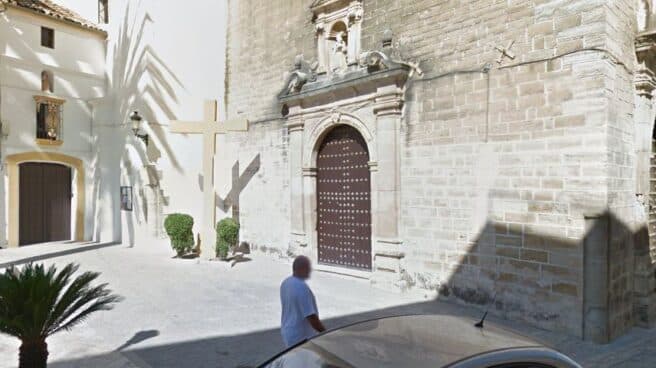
(239, 182)
(586, 288)
(140, 81)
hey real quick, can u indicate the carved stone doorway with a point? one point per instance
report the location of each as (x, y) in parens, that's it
(344, 200)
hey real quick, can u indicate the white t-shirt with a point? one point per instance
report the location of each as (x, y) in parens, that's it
(298, 303)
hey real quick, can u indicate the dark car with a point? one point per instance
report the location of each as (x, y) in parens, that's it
(419, 341)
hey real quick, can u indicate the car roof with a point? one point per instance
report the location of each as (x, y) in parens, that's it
(401, 341)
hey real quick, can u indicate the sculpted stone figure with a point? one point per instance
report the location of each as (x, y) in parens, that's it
(303, 72)
(340, 52)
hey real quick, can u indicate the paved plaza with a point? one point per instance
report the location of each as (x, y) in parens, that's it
(190, 313)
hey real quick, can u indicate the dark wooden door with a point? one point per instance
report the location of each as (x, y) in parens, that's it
(44, 203)
(344, 200)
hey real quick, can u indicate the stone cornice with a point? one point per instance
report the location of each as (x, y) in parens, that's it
(645, 82)
(295, 124)
(353, 84)
(645, 46)
(389, 103)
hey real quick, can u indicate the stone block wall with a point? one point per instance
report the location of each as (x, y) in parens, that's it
(253, 185)
(498, 168)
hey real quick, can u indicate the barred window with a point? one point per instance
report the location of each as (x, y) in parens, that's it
(49, 123)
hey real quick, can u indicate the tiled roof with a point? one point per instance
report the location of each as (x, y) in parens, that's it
(53, 10)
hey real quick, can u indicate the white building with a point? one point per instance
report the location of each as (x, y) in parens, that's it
(52, 65)
(94, 75)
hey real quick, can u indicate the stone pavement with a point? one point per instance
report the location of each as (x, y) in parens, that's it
(190, 313)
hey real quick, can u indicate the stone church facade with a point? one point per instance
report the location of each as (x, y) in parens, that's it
(507, 148)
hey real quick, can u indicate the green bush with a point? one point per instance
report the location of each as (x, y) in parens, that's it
(227, 236)
(179, 229)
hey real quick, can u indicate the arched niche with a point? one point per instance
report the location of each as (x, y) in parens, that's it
(47, 82)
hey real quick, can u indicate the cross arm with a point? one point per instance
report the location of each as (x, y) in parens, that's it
(237, 125)
(191, 127)
(187, 127)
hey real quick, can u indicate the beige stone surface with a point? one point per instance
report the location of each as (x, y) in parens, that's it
(498, 170)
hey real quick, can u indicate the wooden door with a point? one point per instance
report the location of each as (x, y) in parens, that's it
(44, 203)
(344, 200)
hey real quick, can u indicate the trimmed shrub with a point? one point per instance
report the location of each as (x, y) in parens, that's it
(227, 236)
(179, 229)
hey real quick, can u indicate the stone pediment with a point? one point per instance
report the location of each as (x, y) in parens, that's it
(374, 69)
(355, 82)
(321, 6)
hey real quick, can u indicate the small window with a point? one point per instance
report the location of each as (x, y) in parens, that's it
(103, 11)
(47, 82)
(48, 37)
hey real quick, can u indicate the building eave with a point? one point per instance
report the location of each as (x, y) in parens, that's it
(95, 30)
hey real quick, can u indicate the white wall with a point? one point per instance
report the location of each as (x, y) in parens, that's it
(164, 59)
(77, 63)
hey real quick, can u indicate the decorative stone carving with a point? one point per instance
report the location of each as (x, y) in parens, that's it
(643, 14)
(355, 15)
(303, 72)
(505, 52)
(371, 65)
(339, 58)
(645, 81)
(645, 45)
(386, 58)
(335, 117)
(338, 25)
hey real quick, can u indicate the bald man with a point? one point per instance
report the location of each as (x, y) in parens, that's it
(300, 317)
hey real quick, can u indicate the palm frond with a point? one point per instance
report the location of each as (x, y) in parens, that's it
(36, 302)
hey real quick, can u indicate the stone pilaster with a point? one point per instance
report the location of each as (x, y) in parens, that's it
(388, 254)
(298, 236)
(645, 83)
(309, 213)
(644, 238)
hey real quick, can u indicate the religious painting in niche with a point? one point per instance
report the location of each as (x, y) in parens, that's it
(49, 113)
(126, 198)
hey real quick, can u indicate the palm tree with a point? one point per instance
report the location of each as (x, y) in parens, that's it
(36, 302)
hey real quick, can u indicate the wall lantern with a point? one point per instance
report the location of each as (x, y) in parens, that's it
(136, 119)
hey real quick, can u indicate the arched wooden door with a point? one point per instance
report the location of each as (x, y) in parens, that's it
(44, 203)
(344, 200)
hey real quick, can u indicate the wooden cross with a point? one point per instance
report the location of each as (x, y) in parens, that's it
(209, 128)
(505, 52)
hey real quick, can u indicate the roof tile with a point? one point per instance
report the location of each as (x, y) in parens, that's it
(53, 10)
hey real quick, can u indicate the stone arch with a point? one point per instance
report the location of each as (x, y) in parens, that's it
(13, 162)
(336, 27)
(343, 200)
(324, 126)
